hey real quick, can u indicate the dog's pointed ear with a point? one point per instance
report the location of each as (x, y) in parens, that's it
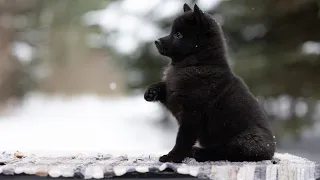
(186, 7)
(199, 15)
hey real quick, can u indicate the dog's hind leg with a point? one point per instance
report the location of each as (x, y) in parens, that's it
(250, 147)
(243, 148)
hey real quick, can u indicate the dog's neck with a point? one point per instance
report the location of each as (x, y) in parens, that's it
(212, 56)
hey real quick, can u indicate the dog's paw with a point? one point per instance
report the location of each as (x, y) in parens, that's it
(151, 94)
(171, 158)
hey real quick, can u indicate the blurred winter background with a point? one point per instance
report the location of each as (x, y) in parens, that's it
(72, 72)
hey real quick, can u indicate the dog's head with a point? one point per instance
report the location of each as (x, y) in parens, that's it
(191, 32)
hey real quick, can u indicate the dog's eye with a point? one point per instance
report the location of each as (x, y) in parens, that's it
(178, 35)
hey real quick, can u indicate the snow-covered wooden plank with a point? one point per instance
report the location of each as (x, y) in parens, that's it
(98, 166)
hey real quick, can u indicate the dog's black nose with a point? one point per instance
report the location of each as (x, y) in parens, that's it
(160, 46)
(157, 42)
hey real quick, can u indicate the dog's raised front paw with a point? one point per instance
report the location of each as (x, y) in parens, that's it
(151, 94)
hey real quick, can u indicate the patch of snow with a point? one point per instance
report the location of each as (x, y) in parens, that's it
(288, 167)
(168, 9)
(113, 86)
(207, 4)
(55, 173)
(141, 8)
(301, 108)
(311, 47)
(23, 51)
(142, 169)
(254, 31)
(246, 172)
(125, 43)
(83, 123)
(283, 109)
(119, 171)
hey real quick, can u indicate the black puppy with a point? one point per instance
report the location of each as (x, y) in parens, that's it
(211, 104)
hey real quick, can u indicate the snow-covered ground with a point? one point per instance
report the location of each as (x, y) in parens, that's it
(88, 123)
(85, 123)
(89, 167)
(58, 125)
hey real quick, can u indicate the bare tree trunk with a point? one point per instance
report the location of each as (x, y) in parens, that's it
(6, 65)
(11, 70)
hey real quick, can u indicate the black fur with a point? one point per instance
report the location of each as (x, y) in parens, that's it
(211, 104)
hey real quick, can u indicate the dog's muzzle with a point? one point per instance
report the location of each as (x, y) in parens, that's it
(159, 46)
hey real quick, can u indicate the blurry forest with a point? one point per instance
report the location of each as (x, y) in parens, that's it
(273, 44)
(44, 47)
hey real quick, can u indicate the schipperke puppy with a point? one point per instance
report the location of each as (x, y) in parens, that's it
(211, 104)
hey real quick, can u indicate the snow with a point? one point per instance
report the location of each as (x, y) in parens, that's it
(23, 52)
(84, 123)
(311, 47)
(288, 167)
(86, 126)
(142, 8)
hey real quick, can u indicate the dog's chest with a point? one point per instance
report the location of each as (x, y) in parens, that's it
(173, 91)
(174, 82)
